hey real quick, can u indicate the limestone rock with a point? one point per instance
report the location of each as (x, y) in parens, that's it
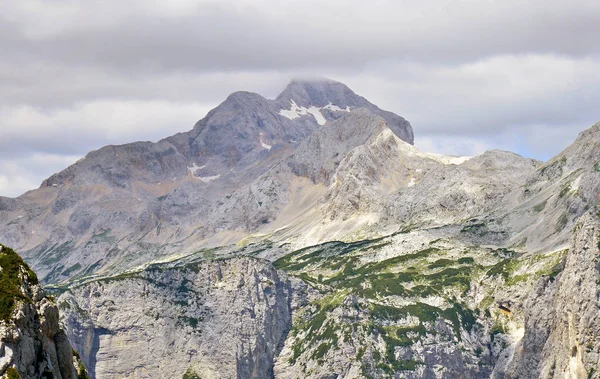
(32, 343)
(219, 319)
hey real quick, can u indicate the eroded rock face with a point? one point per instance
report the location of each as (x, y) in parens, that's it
(218, 319)
(562, 323)
(32, 343)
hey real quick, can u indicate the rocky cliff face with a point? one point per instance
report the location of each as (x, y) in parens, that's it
(562, 327)
(32, 344)
(215, 319)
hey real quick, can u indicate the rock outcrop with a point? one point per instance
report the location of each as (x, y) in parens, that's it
(562, 323)
(32, 343)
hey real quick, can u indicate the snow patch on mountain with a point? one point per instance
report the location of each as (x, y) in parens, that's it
(335, 108)
(208, 179)
(316, 112)
(296, 111)
(263, 144)
(192, 170)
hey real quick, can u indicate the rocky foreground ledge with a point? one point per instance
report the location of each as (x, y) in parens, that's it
(32, 344)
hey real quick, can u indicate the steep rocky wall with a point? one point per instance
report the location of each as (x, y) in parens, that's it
(217, 319)
(32, 344)
(562, 316)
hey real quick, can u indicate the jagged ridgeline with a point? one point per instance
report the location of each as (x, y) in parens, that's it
(306, 237)
(32, 344)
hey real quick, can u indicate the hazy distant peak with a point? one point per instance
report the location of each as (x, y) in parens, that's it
(319, 92)
(312, 79)
(244, 95)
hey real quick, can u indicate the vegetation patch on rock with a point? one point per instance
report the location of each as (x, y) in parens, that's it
(14, 273)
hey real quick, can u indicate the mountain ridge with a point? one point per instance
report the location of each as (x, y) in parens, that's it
(178, 179)
(341, 250)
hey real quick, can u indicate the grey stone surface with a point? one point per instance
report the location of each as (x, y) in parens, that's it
(562, 323)
(31, 340)
(222, 319)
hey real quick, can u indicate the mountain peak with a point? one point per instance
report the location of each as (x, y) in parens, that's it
(319, 92)
(326, 93)
(318, 82)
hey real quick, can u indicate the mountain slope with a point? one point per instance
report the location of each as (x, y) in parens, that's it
(306, 237)
(425, 303)
(125, 205)
(542, 212)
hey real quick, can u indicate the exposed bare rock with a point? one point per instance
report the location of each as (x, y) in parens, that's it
(32, 343)
(562, 316)
(219, 319)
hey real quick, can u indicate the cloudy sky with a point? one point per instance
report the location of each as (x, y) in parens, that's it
(469, 75)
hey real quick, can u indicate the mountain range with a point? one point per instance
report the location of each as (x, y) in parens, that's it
(306, 237)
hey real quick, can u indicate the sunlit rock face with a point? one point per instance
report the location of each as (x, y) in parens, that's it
(219, 319)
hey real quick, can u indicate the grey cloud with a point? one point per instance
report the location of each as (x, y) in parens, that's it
(218, 38)
(479, 99)
(77, 130)
(53, 86)
(532, 141)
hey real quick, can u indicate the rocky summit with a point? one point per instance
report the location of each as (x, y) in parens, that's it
(306, 237)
